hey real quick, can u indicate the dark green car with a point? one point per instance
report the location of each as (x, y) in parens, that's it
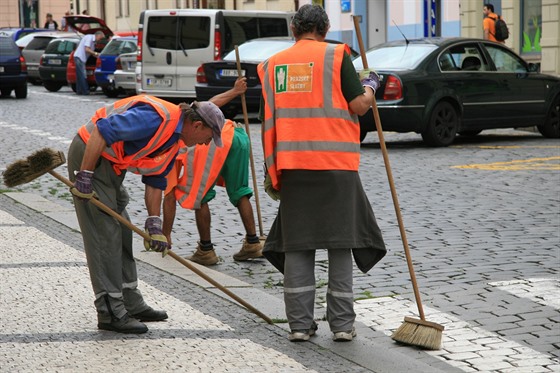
(52, 68)
(441, 87)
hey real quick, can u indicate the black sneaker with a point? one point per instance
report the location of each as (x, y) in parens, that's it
(125, 324)
(150, 314)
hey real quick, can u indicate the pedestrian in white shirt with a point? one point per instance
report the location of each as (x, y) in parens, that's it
(81, 55)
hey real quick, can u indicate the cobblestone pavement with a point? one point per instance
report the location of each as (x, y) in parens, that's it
(482, 219)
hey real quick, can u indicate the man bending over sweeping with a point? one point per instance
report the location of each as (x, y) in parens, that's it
(141, 134)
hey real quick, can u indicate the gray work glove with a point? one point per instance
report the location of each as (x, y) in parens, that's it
(83, 185)
(269, 189)
(369, 78)
(158, 240)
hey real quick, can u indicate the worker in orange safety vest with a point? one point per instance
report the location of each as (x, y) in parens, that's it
(311, 143)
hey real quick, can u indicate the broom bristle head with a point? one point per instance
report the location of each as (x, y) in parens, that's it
(37, 164)
(15, 173)
(45, 160)
(419, 334)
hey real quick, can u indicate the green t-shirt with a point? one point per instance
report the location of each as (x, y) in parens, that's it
(351, 85)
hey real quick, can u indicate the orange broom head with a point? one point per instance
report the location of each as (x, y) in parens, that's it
(37, 164)
(420, 333)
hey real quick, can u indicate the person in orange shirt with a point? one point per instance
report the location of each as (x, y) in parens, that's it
(488, 24)
(196, 172)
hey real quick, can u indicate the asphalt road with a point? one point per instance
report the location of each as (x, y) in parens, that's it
(482, 219)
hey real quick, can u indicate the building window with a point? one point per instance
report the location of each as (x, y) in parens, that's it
(119, 8)
(531, 26)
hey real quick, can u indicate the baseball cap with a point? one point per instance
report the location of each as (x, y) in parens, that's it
(212, 117)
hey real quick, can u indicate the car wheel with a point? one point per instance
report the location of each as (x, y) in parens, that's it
(52, 86)
(110, 92)
(21, 91)
(551, 126)
(73, 86)
(470, 133)
(443, 124)
(6, 92)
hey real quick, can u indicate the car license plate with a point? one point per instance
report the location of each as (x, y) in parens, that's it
(1, 69)
(159, 82)
(32, 67)
(231, 73)
(55, 62)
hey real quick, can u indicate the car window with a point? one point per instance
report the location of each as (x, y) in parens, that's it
(466, 57)
(60, 47)
(162, 32)
(8, 47)
(118, 46)
(396, 57)
(128, 47)
(240, 29)
(258, 50)
(38, 43)
(195, 33)
(505, 60)
(446, 62)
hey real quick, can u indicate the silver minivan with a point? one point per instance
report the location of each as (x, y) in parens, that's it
(173, 43)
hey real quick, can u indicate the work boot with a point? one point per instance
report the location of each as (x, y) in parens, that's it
(204, 257)
(345, 336)
(125, 324)
(248, 251)
(150, 314)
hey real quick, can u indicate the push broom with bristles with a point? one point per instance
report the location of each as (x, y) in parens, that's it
(46, 160)
(416, 332)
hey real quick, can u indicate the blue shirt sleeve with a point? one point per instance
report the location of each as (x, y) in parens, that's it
(138, 123)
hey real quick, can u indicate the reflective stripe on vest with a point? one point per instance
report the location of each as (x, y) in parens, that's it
(202, 168)
(304, 128)
(139, 162)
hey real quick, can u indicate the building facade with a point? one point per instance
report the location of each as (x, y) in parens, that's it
(534, 25)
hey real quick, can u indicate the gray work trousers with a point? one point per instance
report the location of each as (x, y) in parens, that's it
(299, 289)
(107, 243)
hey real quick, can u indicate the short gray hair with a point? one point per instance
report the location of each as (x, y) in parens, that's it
(310, 18)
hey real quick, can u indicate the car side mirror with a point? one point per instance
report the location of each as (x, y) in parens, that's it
(534, 67)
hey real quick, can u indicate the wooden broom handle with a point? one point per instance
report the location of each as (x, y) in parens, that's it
(390, 177)
(146, 236)
(246, 118)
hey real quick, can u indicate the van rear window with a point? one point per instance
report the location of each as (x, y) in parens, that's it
(240, 29)
(194, 32)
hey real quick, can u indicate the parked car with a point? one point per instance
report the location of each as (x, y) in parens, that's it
(108, 61)
(35, 49)
(52, 68)
(24, 40)
(125, 76)
(219, 76)
(173, 43)
(440, 87)
(13, 70)
(86, 25)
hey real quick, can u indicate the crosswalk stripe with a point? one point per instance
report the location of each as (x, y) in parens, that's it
(465, 346)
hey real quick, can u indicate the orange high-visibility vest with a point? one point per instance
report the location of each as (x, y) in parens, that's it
(201, 168)
(140, 162)
(307, 121)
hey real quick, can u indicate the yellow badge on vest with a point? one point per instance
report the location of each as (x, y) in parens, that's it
(293, 78)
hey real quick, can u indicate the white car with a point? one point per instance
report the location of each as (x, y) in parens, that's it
(125, 77)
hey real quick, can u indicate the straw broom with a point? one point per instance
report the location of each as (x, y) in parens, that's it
(46, 160)
(416, 332)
